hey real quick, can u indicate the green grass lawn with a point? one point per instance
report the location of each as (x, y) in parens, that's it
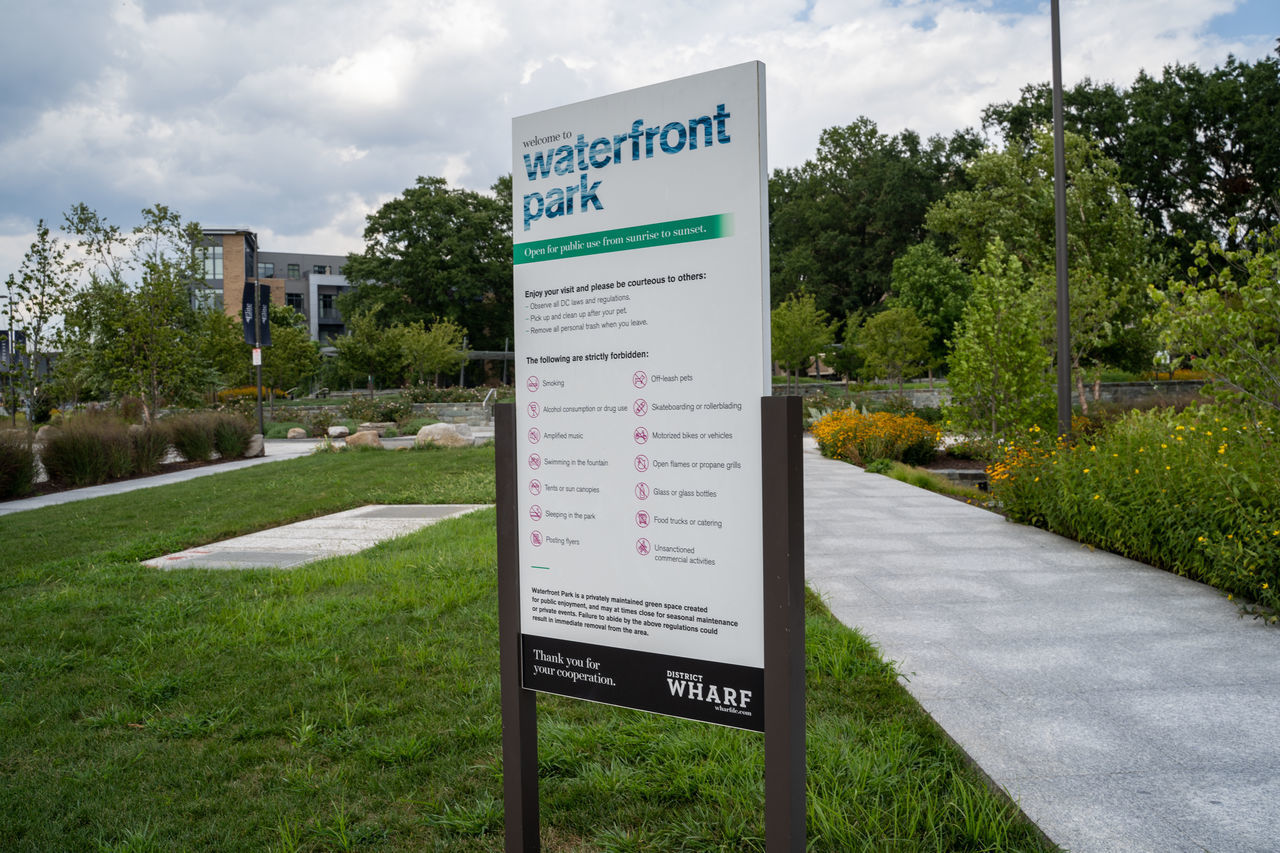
(353, 704)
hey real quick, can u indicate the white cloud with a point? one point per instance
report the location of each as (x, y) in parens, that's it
(298, 119)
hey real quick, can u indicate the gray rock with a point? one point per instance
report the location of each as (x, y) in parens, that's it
(339, 432)
(297, 432)
(364, 438)
(380, 427)
(445, 435)
(256, 447)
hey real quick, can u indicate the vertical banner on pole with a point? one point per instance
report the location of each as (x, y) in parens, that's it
(642, 318)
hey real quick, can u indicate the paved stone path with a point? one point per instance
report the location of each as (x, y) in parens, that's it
(1124, 708)
(313, 539)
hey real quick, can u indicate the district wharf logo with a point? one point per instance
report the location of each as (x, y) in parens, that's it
(688, 685)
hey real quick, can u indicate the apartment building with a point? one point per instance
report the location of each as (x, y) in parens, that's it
(310, 283)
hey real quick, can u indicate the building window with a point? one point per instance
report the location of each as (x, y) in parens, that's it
(294, 301)
(211, 260)
(266, 270)
(321, 269)
(206, 299)
(294, 271)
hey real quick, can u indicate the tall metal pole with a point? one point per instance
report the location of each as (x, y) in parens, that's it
(257, 343)
(1060, 221)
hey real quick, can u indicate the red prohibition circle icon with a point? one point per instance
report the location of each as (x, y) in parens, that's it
(534, 410)
(535, 435)
(642, 518)
(643, 547)
(639, 379)
(642, 491)
(535, 487)
(640, 407)
(532, 384)
(642, 463)
(536, 538)
(535, 461)
(535, 512)
(641, 435)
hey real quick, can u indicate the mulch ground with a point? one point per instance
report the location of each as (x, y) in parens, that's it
(48, 488)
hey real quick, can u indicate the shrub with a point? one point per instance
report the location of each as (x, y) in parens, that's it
(150, 446)
(859, 438)
(231, 435)
(193, 436)
(383, 409)
(319, 423)
(17, 463)
(1192, 492)
(88, 450)
(280, 429)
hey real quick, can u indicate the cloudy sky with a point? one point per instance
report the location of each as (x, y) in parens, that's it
(296, 119)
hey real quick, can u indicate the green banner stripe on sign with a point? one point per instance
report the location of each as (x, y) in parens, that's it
(623, 239)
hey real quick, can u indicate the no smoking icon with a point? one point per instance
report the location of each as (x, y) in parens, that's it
(532, 384)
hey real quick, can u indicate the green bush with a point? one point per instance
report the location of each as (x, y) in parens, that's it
(193, 436)
(150, 446)
(1192, 492)
(231, 435)
(87, 450)
(280, 429)
(366, 409)
(319, 423)
(17, 463)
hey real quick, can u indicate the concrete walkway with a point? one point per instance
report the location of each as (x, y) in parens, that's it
(1124, 708)
(277, 449)
(314, 539)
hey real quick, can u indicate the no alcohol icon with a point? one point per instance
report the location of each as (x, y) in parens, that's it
(534, 410)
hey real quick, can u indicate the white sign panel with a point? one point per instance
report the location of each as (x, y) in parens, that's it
(641, 302)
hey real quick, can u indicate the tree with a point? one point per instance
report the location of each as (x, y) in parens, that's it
(1196, 149)
(799, 331)
(838, 222)
(1226, 315)
(933, 285)
(370, 351)
(438, 252)
(1111, 259)
(894, 344)
(430, 351)
(35, 299)
(999, 368)
(134, 321)
(293, 358)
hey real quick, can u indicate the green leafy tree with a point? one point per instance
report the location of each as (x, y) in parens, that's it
(428, 351)
(799, 332)
(371, 351)
(894, 344)
(293, 359)
(1226, 315)
(1195, 149)
(134, 319)
(932, 284)
(435, 252)
(35, 299)
(1111, 259)
(838, 221)
(999, 368)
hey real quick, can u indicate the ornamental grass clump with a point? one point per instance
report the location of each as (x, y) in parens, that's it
(150, 446)
(193, 436)
(860, 438)
(88, 450)
(231, 435)
(1192, 492)
(17, 463)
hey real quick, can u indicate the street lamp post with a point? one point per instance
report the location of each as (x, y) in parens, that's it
(1060, 222)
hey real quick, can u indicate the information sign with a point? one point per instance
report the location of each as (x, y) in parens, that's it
(641, 302)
